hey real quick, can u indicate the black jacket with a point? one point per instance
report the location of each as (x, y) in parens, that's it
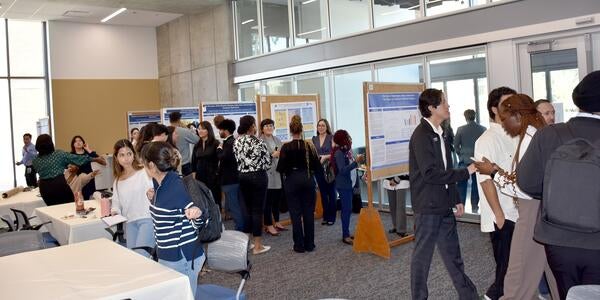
(530, 179)
(428, 177)
(228, 170)
(205, 163)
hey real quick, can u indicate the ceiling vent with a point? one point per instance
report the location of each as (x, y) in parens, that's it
(77, 13)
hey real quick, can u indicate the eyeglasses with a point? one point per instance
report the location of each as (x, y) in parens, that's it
(269, 126)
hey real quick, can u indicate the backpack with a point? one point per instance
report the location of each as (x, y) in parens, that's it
(328, 171)
(203, 199)
(571, 199)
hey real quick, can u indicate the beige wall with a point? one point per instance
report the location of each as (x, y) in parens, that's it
(195, 53)
(97, 109)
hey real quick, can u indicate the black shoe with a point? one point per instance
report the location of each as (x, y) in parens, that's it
(311, 249)
(324, 223)
(348, 241)
(330, 223)
(402, 234)
(393, 230)
(299, 250)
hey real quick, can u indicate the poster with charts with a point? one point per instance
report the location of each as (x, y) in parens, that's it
(188, 115)
(229, 110)
(138, 119)
(283, 112)
(392, 118)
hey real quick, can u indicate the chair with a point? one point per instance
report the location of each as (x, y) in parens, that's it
(228, 254)
(584, 292)
(9, 222)
(150, 250)
(22, 221)
(20, 241)
(118, 234)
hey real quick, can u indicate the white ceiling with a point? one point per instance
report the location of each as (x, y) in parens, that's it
(139, 12)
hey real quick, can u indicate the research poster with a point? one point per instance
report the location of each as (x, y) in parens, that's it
(138, 119)
(282, 114)
(392, 119)
(188, 115)
(229, 110)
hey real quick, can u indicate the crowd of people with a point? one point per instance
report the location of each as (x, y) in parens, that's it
(543, 241)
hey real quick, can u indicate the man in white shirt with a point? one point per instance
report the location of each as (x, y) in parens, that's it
(498, 211)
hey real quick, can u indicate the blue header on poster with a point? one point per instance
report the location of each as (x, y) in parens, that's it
(144, 118)
(191, 113)
(214, 109)
(393, 100)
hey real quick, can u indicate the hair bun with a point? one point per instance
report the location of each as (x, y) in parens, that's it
(296, 119)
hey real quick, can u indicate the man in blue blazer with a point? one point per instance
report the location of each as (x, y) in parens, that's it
(434, 195)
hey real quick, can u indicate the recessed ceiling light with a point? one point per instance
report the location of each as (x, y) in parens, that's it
(116, 13)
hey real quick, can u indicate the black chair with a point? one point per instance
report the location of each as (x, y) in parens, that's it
(22, 221)
(20, 241)
(9, 222)
(119, 234)
(150, 250)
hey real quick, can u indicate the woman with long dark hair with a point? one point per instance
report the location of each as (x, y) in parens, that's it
(323, 142)
(345, 164)
(299, 162)
(253, 161)
(80, 147)
(50, 165)
(205, 163)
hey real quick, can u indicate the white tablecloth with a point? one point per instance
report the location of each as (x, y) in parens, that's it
(97, 269)
(74, 229)
(25, 201)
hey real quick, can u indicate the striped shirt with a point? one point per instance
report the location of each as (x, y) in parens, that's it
(173, 232)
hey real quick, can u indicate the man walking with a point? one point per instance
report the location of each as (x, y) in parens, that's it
(29, 153)
(434, 195)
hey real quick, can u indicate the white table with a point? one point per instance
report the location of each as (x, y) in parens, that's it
(73, 229)
(25, 201)
(96, 269)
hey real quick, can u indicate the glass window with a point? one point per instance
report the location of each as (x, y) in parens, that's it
(539, 85)
(279, 86)
(348, 16)
(387, 12)
(247, 92)
(399, 72)
(310, 18)
(482, 95)
(316, 84)
(7, 164)
(349, 107)
(457, 75)
(28, 107)
(436, 7)
(26, 42)
(3, 65)
(276, 25)
(247, 28)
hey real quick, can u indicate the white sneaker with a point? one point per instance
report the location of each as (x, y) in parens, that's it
(251, 246)
(263, 250)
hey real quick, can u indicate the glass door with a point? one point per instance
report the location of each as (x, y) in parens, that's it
(550, 69)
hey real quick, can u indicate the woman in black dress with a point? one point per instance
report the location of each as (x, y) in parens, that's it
(205, 164)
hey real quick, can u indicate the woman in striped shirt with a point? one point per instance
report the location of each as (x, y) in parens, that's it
(176, 219)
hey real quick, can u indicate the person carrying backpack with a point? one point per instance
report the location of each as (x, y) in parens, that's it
(561, 167)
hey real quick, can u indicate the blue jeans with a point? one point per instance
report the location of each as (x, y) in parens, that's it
(233, 204)
(346, 200)
(140, 233)
(184, 267)
(328, 198)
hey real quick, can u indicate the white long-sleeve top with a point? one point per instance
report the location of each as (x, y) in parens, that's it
(129, 196)
(511, 188)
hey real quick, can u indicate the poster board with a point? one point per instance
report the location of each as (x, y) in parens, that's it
(188, 114)
(391, 116)
(281, 108)
(229, 110)
(139, 119)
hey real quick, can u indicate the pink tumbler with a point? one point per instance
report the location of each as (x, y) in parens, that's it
(105, 207)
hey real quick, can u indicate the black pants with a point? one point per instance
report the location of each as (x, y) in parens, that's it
(56, 191)
(440, 230)
(30, 177)
(272, 206)
(501, 239)
(301, 198)
(253, 187)
(573, 266)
